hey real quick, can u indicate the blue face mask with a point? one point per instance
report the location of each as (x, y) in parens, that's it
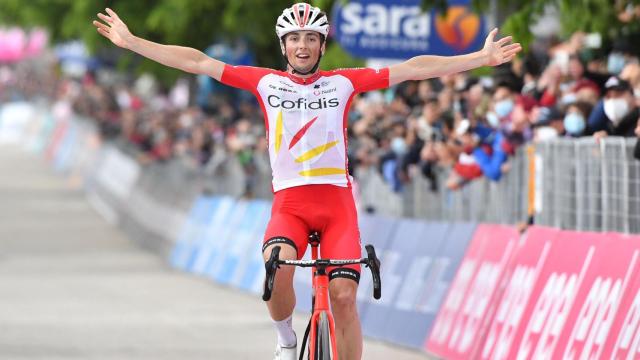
(574, 124)
(615, 63)
(503, 107)
(398, 146)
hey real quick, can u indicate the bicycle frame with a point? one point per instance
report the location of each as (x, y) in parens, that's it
(320, 285)
(321, 304)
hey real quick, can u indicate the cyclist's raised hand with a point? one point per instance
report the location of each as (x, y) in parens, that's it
(501, 51)
(114, 29)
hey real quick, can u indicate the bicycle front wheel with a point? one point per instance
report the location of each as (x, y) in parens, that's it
(323, 338)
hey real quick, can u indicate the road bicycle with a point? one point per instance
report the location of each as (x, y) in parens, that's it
(322, 341)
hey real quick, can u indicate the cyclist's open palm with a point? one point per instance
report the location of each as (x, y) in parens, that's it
(113, 29)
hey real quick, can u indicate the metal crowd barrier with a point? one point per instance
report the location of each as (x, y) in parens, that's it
(502, 202)
(575, 184)
(589, 186)
(579, 185)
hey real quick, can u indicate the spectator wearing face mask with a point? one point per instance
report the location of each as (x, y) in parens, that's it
(620, 108)
(503, 103)
(620, 55)
(574, 122)
(548, 124)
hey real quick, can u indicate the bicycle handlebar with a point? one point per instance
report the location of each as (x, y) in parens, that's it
(273, 264)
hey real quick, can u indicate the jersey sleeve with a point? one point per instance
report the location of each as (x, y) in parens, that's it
(367, 79)
(243, 77)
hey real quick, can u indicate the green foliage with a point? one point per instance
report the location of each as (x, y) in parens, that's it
(575, 15)
(335, 58)
(198, 23)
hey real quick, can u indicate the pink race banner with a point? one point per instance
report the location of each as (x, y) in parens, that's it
(623, 340)
(549, 295)
(531, 256)
(459, 326)
(571, 265)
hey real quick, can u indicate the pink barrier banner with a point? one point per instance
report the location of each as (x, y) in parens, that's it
(590, 320)
(570, 265)
(550, 295)
(567, 295)
(623, 341)
(458, 330)
(531, 256)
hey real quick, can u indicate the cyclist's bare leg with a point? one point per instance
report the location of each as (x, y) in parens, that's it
(343, 306)
(283, 298)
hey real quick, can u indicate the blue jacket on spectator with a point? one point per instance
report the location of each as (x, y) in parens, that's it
(597, 119)
(491, 163)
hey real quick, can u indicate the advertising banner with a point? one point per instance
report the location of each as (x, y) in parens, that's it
(395, 259)
(207, 240)
(471, 300)
(14, 118)
(236, 255)
(118, 173)
(590, 321)
(532, 253)
(251, 269)
(569, 268)
(185, 247)
(401, 29)
(612, 309)
(410, 315)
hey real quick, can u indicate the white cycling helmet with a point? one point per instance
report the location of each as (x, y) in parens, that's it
(302, 16)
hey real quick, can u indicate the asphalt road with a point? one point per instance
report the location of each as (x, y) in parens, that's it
(73, 287)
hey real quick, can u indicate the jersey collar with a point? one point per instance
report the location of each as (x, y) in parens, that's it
(304, 81)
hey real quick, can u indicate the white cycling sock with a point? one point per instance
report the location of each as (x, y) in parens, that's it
(286, 335)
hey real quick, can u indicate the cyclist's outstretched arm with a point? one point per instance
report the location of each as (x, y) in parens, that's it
(179, 57)
(426, 66)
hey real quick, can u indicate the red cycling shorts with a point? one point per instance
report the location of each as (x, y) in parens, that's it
(327, 209)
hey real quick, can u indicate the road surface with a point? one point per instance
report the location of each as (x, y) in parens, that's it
(73, 287)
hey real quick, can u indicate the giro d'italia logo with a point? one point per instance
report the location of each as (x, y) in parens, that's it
(459, 27)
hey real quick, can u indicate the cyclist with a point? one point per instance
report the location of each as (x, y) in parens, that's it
(305, 112)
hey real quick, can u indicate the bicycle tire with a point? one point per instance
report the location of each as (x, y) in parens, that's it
(323, 338)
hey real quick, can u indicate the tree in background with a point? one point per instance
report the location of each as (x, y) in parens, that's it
(199, 23)
(596, 16)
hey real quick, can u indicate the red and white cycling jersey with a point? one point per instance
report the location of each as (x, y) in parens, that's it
(306, 119)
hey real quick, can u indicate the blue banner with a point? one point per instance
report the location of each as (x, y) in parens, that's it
(186, 245)
(400, 29)
(251, 269)
(428, 269)
(236, 254)
(405, 323)
(212, 234)
(393, 259)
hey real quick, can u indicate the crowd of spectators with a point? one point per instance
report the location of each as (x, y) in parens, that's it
(470, 124)
(474, 125)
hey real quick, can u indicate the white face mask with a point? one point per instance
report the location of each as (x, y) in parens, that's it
(546, 133)
(616, 109)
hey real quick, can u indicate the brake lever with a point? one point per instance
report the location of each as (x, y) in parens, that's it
(373, 263)
(271, 267)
